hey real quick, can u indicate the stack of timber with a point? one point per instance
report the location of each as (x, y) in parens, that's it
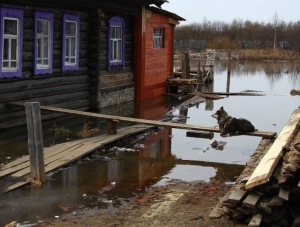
(267, 193)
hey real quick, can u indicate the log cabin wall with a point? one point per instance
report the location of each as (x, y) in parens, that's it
(67, 89)
(116, 82)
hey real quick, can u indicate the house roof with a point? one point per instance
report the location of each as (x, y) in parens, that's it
(165, 12)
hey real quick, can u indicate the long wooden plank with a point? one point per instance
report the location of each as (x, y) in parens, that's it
(266, 166)
(147, 122)
(235, 93)
(63, 154)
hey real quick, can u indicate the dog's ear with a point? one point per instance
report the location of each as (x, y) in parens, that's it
(221, 108)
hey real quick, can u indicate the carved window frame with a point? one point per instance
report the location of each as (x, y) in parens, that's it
(43, 15)
(14, 14)
(66, 66)
(116, 21)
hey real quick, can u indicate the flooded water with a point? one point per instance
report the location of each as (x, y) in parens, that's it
(161, 155)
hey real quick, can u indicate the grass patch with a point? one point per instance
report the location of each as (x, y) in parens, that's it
(87, 131)
(64, 132)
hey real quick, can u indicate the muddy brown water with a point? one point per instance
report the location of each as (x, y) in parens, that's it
(161, 155)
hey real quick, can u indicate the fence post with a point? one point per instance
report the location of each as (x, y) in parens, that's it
(35, 141)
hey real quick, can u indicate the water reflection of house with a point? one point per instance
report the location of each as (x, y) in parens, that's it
(86, 55)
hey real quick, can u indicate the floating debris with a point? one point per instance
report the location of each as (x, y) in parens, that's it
(104, 158)
(115, 148)
(218, 145)
(139, 146)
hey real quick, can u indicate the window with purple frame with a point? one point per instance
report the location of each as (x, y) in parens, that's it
(116, 47)
(70, 44)
(11, 29)
(43, 42)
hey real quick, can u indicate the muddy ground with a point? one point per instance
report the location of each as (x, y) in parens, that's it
(177, 203)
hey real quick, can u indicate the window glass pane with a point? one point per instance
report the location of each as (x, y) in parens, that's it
(73, 42)
(5, 49)
(10, 27)
(14, 49)
(111, 49)
(115, 50)
(13, 64)
(73, 60)
(5, 64)
(67, 47)
(119, 50)
(70, 28)
(43, 27)
(45, 62)
(46, 48)
(39, 46)
(118, 32)
(113, 32)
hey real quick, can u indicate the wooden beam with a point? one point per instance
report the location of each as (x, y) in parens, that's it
(266, 166)
(147, 122)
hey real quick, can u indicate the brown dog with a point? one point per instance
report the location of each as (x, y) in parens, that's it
(231, 124)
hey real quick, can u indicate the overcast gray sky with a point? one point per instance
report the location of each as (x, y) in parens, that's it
(227, 10)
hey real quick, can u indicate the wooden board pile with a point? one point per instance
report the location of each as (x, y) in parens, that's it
(267, 193)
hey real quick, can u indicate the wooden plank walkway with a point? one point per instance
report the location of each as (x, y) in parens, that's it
(147, 122)
(14, 174)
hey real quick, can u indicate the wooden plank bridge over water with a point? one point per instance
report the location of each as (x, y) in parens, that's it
(113, 119)
(15, 174)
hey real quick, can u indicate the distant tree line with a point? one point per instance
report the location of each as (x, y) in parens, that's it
(239, 35)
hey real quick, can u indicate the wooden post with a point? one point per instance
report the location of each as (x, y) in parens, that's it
(185, 66)
(111, 127)
(35, 141)
(212, 73)
(228, 71)
(187, 63)
(199, 74)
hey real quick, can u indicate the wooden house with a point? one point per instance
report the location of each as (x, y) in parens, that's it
(82, 54)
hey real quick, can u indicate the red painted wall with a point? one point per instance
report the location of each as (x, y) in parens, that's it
(153, 65)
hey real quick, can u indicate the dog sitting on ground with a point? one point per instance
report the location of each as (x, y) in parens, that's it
(228, 124)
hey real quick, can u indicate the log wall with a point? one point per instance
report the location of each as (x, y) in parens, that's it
(63, 89)
(116, 85)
